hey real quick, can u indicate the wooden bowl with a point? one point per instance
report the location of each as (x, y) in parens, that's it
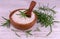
(21, 26)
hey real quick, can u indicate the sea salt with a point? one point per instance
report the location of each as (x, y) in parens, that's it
(22, 20)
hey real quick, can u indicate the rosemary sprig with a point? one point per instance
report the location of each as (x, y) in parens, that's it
(6, 23)
(50, 31)
(45, 16)
(45, 8)
(28, 32)
(17, 34)
(44, 19)
(22, 14)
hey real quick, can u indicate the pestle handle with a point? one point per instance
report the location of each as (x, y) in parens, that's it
(32, 5)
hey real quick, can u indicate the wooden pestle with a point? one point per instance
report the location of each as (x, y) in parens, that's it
(29, 11)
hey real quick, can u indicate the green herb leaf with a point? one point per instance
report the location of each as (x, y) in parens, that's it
(28, 32)
(50, 31)
(22, 14)
(7, 22)
(17, 34)
(43, 15)
(44, 19)
(45, 8)
(4, 18)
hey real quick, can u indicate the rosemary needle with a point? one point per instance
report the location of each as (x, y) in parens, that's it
(50, 31)
(17, 34)
(28, 32)
(6, 23)
(22, 14)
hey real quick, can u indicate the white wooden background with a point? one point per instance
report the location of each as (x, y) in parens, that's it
(8, 5)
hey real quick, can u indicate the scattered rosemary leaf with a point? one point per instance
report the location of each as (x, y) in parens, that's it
(45, 8)
(4, 18)
(17, 34)
(37, 29)
(56, 21)
(28, 32)
(50, 31)
(53, 7)
(6, 23)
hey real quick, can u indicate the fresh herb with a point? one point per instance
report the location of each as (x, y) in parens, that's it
(17, 34)
(50, 31)
(44, 19)
(22, 14)
(6, 23)
(28, 32)
(45, 8)
(45, 16)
